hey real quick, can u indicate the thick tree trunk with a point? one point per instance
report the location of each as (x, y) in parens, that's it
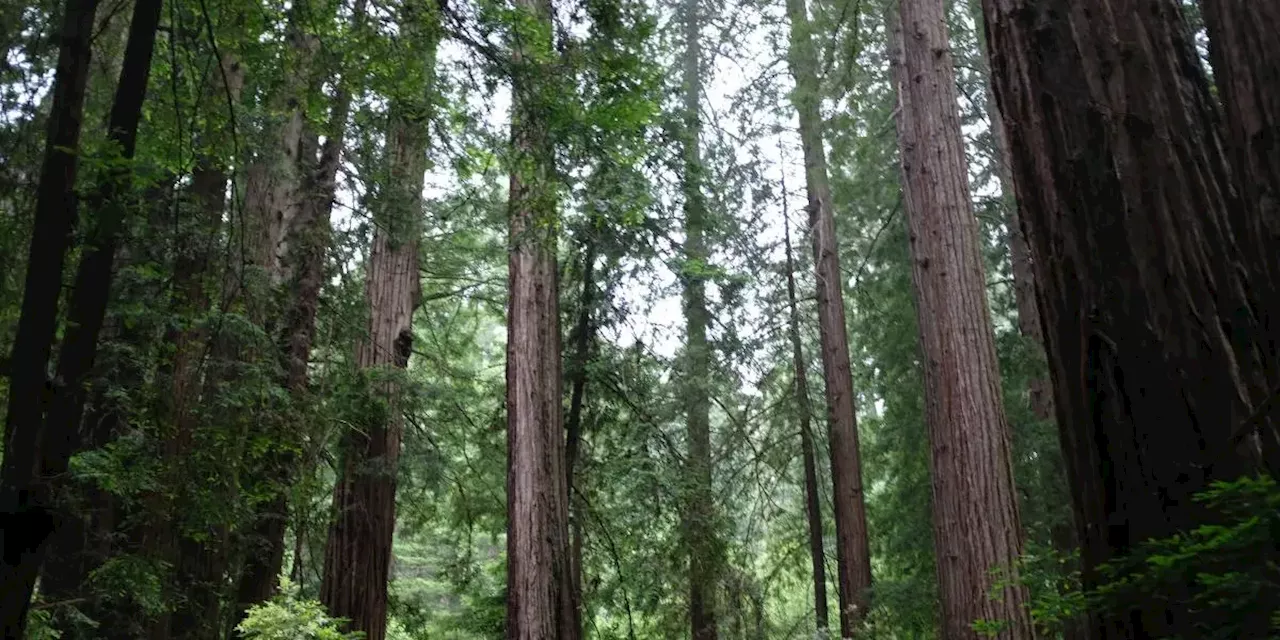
(975, 510)
(1246, 68)
(1126, 200)
(24, 500)
(699, 517)
(60, 435)
(853, 554)
(358, 552)
(540, 597)
(813, 501)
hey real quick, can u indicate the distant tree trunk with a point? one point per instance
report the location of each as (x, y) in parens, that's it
(358, 552)
(540, 596)
(1246, 68)
(583, 336)
(975, 509)
(813, 501)
(853, 552)
(699, 518)
(1126, 200)
(24, 499)
(59, 436)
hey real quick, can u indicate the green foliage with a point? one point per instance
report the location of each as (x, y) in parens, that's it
(289, 617)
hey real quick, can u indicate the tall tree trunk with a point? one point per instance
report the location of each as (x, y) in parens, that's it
(813, 501)
(1125, 202)
(60, 436)
(699, 517)
(24, 499)
(357, 561)
(298, 259)
(853, 553)
(540, 597)
(1246, 68)
(975, 510)
(1039, 389)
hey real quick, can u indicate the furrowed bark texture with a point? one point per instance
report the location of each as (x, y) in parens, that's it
(24, 500)
(358, 553)
(1157, 359)
(813, 499)
(699, 516)
(853, 553)
(540, 596)
(1245, 54)
(975, 510)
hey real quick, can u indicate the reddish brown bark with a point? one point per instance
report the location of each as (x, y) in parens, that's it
(358, 553)
(813, 500)
(540, 595)
(853, 554)
(975, 510)
(1156, 356)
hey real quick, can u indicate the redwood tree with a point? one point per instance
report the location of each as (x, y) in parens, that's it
(853, 554)
(1158, 360)
(975, 510)
(540, 594)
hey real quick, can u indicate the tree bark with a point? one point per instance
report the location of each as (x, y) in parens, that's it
(813, 501)
(853, 554)
(24, 500)
(1126, 200)
(975, 509)
(358, 552)
(583, 336)
(59, 436)
(1246, 69)
(699, 517)
(540, 597)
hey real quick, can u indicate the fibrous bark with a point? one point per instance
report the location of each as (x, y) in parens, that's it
(853, 554)
(358, 553)
(1157, 357)
(540, 594)
(975, 510)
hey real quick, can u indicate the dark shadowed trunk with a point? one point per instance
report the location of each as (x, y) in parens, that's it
(813, 500)
(1246, 67)
(24, 501)
(975, 510)
(583, 336)
(853, 554)
(1126, 202)
(60, 435)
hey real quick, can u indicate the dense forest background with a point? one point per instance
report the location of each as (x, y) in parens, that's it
(639, 319)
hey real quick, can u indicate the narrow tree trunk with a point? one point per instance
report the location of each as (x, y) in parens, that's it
(24, 500)
(701, 543)
(853, 554)
(60, 434)
(813, 501)
(583, 335)
(975, 510)
(1125, 202)
(540, 598)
